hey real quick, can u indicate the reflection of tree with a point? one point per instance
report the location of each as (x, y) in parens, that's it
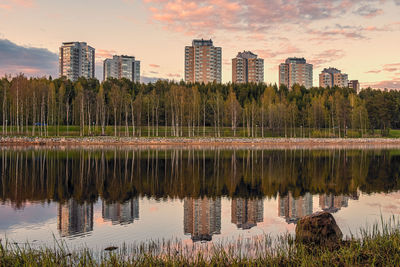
(120, 174)
(246, 213)
(75, 218)
(202, 218)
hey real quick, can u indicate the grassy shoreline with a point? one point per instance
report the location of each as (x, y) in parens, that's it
(378, 246)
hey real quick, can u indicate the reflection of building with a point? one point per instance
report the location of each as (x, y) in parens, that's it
(202, 218)
(295, 208)
(75, 218)
(121, 213)
(246, 213)
(332, 203)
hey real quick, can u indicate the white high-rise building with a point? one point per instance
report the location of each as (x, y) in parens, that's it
(203, 62)
(77, 59)
(122, 67)
(247, 68)
(296, 71)
(333, 77)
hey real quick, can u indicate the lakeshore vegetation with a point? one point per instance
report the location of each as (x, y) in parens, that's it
(47, 107)
(377, 246)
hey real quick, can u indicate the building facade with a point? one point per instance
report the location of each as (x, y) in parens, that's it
(76, 59)
(332, 77)
(354, 84)
(122, 67)
(296, 71)
(203, 62)
(247, 68)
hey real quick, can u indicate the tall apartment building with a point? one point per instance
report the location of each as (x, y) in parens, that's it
(203, 62)
(247, 68)
(122, 67)
(296, 71)
(333, 77)
(354, 84)
(76, 59)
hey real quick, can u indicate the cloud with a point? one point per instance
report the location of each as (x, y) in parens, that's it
(373, 71)
(29, 60)
(326, 57)
(255, 16)
(11, 4)
(368, 11)
(154, 65)
(145, 79)
(103, 53)
(284, 49)
(389, 84)
(173, 75)
(336, 32)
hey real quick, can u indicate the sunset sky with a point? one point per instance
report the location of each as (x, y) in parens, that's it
(360, 37)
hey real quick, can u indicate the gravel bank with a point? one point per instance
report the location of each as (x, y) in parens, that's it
(204, 142)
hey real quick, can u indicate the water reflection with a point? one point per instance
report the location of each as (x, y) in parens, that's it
(293, 209)
(332, 203)
(246, 213)
(75, 218)
(202, 218)
(121, 213)
(93, 186)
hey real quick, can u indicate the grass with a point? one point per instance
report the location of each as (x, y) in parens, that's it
(378, 245)
(74, 131)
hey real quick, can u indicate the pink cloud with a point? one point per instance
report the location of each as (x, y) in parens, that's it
(11, 4)
(284, 49)
(208, 16)
(373, 71)
(326, 57)
(154, 65)
(389, 84)
(103, 53)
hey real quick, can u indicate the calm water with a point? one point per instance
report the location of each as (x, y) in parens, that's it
(102, 196)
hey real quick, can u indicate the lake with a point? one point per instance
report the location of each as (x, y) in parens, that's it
(101, 196)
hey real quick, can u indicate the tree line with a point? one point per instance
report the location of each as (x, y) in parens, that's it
(47, 107)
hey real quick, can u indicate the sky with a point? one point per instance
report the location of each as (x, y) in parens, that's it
(359, 37)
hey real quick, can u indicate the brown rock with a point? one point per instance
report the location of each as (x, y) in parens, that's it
(319, 228)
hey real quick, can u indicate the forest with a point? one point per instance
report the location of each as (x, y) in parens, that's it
(59, 107)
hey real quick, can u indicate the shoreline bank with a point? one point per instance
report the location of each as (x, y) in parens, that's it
(203, 142)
